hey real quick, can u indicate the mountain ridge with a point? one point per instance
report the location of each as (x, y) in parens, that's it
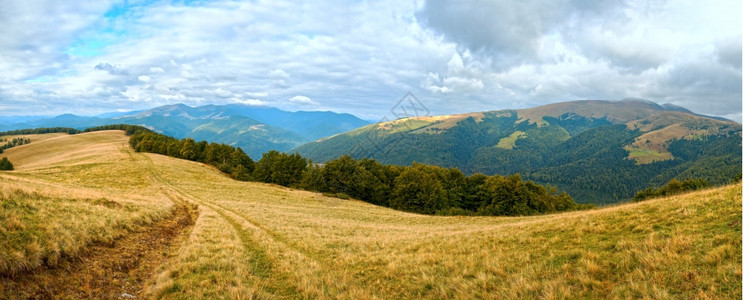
(256, 129)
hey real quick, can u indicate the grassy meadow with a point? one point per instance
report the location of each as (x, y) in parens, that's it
(254, 240)
(68, 192)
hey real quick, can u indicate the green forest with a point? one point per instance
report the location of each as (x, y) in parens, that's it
(584, 157)
(418, 188)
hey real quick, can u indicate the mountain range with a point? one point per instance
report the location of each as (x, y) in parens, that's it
(256, 129)
(598, 151)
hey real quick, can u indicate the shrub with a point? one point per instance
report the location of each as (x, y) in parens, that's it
(6, 165)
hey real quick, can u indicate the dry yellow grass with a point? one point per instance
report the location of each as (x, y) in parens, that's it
(510, 141)
(255, 240)
(68, 192)
(32, 137)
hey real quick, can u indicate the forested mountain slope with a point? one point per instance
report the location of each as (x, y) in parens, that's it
(598, 151)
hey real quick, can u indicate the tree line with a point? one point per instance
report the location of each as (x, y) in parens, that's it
(226, 158)
(14, 142)
(673, 187)
(418, 188)
(129, 129)
(42, 130)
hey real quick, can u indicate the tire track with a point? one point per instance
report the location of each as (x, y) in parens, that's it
(277, 283)
(273, 258)
(101, 270)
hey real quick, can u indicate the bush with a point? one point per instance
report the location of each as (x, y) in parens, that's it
(673, 187)
(6, 165)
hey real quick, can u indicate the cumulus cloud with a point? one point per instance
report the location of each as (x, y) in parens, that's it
(257, 94)
(729, 51)
(251, 102)
(507, 30)
(361, 57)
(459, 77)
(36, 34)
(302, 100)
(511, 33)
(111, 69)
(563, 50)
(278, 74)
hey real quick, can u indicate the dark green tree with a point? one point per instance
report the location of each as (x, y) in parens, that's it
(6, 165)
(312, 178)
(188, 149)
(418, 191)
(339, 174)
(240, 165)
(280, 168)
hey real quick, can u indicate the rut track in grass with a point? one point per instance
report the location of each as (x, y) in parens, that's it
(263, 269)
(104, 271)
(100, 269)
(269, 253)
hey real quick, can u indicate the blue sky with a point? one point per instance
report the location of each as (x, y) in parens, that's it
(361, 57)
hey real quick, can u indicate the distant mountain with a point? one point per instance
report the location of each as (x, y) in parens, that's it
(311, 125)
(116, 114)
(255, 129)
(598, 151)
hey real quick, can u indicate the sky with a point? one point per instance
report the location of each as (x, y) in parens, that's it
(362, 57)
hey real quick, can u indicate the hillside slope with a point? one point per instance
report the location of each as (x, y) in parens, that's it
(68, 192)
(259, 240)
(598, 151)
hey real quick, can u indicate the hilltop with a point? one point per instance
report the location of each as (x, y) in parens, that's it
(598, 151)
(258, 240)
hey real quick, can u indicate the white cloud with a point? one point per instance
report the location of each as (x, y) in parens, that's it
(251, 102)
(144, 78)
(111, 69)
(460, 77)
(257, 94)
(278, 74)
(302, 100)
(361, 57)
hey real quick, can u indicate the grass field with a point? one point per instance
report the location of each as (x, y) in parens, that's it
(254, 240)
(510, 141)
(646, 156)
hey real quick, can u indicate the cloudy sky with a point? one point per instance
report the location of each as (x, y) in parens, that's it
(361, 57)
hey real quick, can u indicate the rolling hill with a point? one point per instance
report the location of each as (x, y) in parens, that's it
(77, 204)
(256, 129)
(598, 151)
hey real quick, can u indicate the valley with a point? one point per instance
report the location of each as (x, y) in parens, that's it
(255, 240)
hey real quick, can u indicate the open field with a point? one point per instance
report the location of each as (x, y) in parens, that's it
(254, 240)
